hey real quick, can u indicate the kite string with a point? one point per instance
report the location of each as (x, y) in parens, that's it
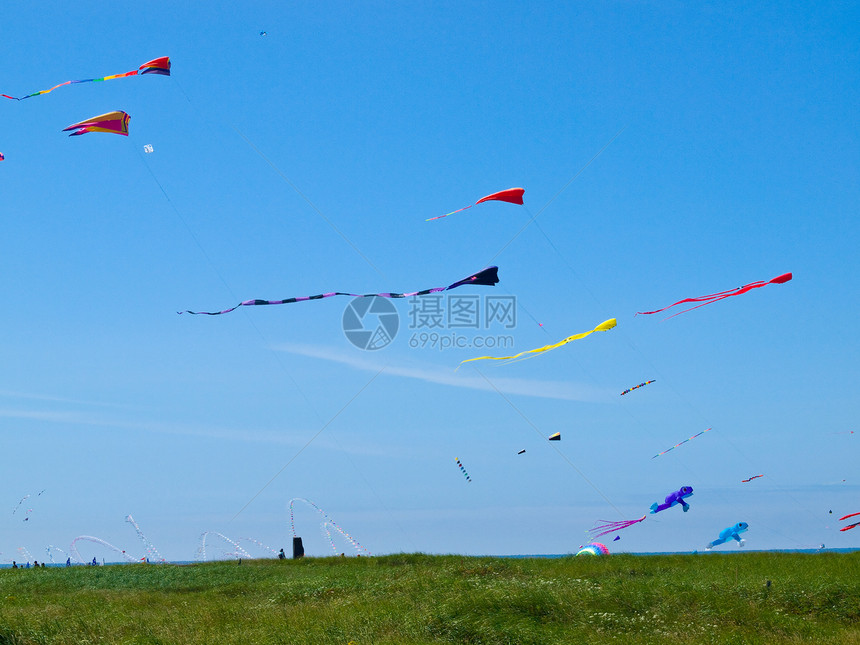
(227, 286)
(310, 441)
(280, 362)
(254, 326)
(563, 188)
(291, 185)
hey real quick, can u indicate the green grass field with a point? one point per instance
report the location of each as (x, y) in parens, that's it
(408, 599)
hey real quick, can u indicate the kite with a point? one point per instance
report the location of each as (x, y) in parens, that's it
(636, 387)
(751, 478)
(616, 538)
(611, 527)
(521, 452)
(676, 497)
(14, 510)
(156, 66)
(595, 548)
(2, 156)
(511, 195)
(462, 470)
(850, 526)
(730, 533)
(112, 123)
(678, 444)
(148, 148)
(486, 277)
(604, 326)
(722, 295)
(555, 437)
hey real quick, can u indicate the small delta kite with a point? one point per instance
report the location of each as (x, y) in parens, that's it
(156, 66)
(112, 123)
(487, 277)
(511, 195)
(722, 295)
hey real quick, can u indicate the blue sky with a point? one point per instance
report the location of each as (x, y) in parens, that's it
(306, 161)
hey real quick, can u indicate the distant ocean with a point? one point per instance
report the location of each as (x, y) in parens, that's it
(533, 555)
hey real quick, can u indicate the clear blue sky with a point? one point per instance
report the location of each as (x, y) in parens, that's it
(738, 161)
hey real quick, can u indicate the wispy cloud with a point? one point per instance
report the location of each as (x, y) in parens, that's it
(133, 423)
(445, 375)
(54, 399)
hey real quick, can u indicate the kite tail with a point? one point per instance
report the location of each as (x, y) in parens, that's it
(611, 527)
(451, 213)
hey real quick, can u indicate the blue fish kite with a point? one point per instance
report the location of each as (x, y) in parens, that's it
(730, 533)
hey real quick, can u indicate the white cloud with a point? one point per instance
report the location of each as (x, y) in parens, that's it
(444, 375)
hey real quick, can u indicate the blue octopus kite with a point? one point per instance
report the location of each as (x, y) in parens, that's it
(730, 533)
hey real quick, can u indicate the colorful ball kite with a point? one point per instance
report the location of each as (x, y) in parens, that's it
(595, 548)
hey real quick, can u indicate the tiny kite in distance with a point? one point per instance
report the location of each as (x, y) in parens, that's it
(678, 444)
(722, 295)
(604, 326)
(521, 452)
(676, 497)
(462, 469)
(112, 123)
(486, 277)
(155, 66)
(636, 387)
(511, 195)
(751, 478)
(850, 526)
(2, 157)
(555, 436)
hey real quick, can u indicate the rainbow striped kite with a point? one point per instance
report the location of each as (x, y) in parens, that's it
(636, 387)
(678, 444)
(462, 469)
(155, 66)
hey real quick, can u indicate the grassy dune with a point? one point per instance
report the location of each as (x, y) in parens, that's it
(410, 599)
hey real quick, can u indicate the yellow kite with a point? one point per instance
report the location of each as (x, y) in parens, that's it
(604, 326)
